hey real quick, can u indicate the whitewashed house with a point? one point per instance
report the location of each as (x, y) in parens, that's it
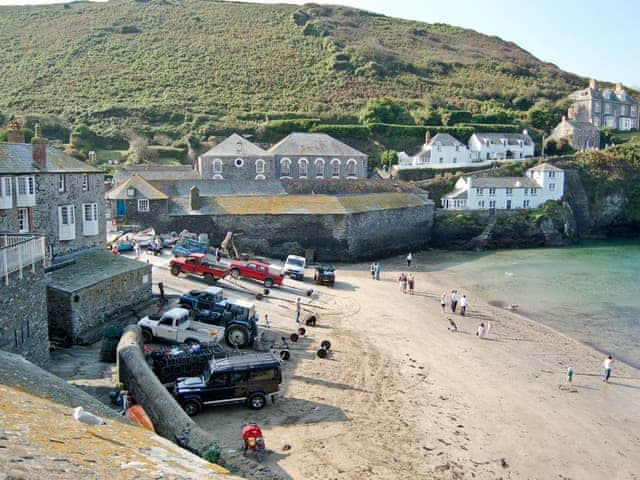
(501, 146)
(441, 151)
(541, 183)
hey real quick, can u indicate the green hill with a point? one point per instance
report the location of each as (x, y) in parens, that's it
(197, 67)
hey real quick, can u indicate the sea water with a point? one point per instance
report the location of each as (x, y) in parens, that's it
(589, 292)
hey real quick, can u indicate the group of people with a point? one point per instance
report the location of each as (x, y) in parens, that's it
(454, 299)
(407, 282)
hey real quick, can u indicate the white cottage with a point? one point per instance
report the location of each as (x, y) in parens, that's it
(541, 183)
(441, 151)
(501, 146)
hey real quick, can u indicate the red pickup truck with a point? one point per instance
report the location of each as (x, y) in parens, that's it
(260, 271)
(199, 264)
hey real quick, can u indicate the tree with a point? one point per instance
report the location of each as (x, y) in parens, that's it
(83, 138)
(427, 116)
(139, 150)
(544, 115)
(389, 158)
(560, 146)
(385, 110)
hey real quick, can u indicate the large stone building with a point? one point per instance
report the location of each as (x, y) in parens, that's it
(43, 190)
(614, 109)
(580, 135)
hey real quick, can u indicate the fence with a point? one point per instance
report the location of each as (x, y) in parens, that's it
(19, 251)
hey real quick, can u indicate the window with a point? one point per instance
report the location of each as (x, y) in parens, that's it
(26, 192)
(131, 192)
(335, 168)
(303, 168)
(259, 166)
(85, 183)
(319, 163)
(596, 107)
(89, 219)
(66, 222)
(23, 220)
(480, 203)
(509, 191)
(492, 191)
(492, 204)
(6, 199)
(525, 204)
(633, 111)
(238, 162)
(623, 110)
(61, 182)
(217, 166)
(455, 160)
(526, 191)
(143, 205)
(534, 192)
(25, 186)
(479, 191)
(607, 108)
(552, 174)
(596, 121)
(552, 186)
(285, 167)
(351, 167)
(441, 159)
(457, 148)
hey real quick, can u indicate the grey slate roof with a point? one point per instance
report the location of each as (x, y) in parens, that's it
(458, 194)
(511, 138)
(18, 158)
(313, 144)
(233, 146)
(546, 167)
(503, 182)
(180, 188)
(156, 172)
(445, 139)
(143, 189)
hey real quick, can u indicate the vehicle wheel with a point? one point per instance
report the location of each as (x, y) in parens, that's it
(268, 283)
(209, 279)
(294, 337)
(322, 353)
(302, 331)
(285, 355)
(326, 344)
(147, 336)
(235, 273)
(191, 407)
(236, 335)
(257, 401)
(175, 270)
(191, 342)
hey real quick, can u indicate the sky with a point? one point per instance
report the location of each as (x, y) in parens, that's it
(586, 37)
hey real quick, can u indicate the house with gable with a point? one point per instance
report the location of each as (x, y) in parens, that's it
(501, 146)
(441, 151)
(542, 183)
(236, 158)
(137, 201)
(605, 108)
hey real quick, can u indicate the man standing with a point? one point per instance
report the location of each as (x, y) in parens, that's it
(378, 268)
(409, 259)
(454, 300)
(443, 301)
(463, 305)
(298, 310)
(608, 366)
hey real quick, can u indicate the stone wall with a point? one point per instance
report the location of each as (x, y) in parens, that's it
(157, 208)
(23, 315)
(232, 171)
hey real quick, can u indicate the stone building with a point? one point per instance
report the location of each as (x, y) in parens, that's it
(43, 190)
(94, 289)
(136, 200)
(614, 109)
(581, 135)
(23, 300)
(236, 158)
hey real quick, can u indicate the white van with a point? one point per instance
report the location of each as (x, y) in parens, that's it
(294, 267)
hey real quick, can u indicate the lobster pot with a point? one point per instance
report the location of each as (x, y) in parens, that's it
(264, 342)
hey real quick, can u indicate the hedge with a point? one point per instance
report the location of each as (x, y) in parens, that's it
(417, 174)
(285, 127)
(494, 127)
(359, 132)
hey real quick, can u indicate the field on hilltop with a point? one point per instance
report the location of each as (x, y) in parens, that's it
(204, 68)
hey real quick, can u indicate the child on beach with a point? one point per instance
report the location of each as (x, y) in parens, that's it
(443, 301)
(452, 325)
(411, 282)
(481, 331)
(608, 366)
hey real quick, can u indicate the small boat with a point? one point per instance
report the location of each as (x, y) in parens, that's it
(137, 414)
(144, 237)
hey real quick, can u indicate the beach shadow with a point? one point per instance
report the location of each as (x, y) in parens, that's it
(326, 383)
(636, 387)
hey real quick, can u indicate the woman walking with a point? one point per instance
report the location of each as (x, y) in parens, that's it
(412, 282)
(443, 301)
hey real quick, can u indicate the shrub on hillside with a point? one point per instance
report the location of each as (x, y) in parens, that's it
(385, 110)
(343, 132)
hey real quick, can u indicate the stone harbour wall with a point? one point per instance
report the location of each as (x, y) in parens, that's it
(23, 315)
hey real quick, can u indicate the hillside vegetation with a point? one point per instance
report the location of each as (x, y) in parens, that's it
(201, 68)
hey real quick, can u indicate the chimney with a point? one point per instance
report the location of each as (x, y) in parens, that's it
(14, 132)
(92, 158)
(593, 85)
(39, 149)
(619, 88)
(194, 198)
(427, 137)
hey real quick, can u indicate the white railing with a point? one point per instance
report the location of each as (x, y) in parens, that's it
(18, 252)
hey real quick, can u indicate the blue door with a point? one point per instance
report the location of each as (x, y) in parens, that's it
(508, 204)
(120, 208)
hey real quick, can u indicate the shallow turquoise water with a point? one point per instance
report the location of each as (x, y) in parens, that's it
(589, 292)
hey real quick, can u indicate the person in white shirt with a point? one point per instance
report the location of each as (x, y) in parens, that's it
(443, 301)
(463, 305)
(454, 300)
(481, 331)
(409, 259)
(608, 366)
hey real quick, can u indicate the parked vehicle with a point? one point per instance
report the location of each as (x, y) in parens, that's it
(248, 379)
(324, 274)
(208, 299)
(294, 267)
(253, 441)
(176, 326)
(171, 363)
(199, 264)
(188, 246)
(260, 271)
(238, 318)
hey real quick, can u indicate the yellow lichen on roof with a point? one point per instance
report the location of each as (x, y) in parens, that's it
(143, 189)
(51, 444)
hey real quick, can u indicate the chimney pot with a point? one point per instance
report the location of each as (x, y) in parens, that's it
(194, 198)
(619, 88)
(593, 84)
(39, 149)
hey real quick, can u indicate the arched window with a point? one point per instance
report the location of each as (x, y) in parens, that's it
(285, 167)
(217, 166)
(303, 168)
(335, 167)
(319, 164)
(351, 167)
(259, 166)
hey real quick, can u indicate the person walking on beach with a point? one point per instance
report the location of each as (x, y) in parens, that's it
(412, 283)
(298, 310)
(481, 331)
(409, 260)
(608, 366)
(377, 269)
(452, 325)
(463, 305)
(454, 300)
(372, 269)
(569, 380)
(403, 282)
(443, 301)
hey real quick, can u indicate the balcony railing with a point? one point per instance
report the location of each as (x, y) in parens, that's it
(20, 251)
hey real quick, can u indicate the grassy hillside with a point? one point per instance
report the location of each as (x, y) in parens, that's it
(199, 67)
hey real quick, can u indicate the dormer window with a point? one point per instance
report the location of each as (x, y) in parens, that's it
(131, 192)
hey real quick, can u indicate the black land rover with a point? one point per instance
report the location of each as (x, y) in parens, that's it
(248, 379)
